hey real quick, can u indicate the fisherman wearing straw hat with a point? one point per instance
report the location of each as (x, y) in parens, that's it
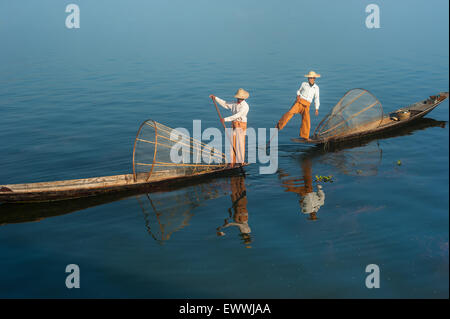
(239, 109)
(305, 94)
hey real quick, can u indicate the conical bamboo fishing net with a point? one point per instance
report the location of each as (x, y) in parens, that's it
(162, 152)
(357, 111)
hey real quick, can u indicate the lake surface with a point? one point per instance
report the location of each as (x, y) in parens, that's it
(71, 102)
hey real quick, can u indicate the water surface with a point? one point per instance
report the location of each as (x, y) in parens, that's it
(71, 102)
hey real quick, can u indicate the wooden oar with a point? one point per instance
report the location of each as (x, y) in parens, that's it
(223, 123)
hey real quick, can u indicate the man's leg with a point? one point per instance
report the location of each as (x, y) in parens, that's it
(288, 115)
(306, 124)
(240, 142)
(233, 149)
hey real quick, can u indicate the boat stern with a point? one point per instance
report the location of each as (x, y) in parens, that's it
(442, 96)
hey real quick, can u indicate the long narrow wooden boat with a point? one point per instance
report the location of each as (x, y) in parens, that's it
(153, 169)
(76, 188)
(389, 122)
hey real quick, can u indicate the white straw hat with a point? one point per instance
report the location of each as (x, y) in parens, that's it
(312, 74)
(242, 94)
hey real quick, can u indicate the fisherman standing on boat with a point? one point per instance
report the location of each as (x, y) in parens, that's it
(305, 94)
(239, 123)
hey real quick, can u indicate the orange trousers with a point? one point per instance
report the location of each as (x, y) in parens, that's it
(301, 106)
(239, 129)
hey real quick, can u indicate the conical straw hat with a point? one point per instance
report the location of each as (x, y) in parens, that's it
(312, 74)
(242, 94)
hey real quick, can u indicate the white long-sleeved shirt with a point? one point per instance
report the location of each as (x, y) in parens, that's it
(239, 110)
(308, 93)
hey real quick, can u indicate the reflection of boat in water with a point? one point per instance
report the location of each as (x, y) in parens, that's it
(363, 156)
(13, 213)
(356, 161)
(164, 212)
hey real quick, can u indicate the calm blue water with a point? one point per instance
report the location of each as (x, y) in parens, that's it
(71, 102)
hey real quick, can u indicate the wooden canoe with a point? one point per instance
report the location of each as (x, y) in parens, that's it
(76, 188)
(389, 122)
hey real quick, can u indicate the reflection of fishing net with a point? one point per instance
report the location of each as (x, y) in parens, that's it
(162, 152)
(357, 111)
(167, 213)
(360, 161)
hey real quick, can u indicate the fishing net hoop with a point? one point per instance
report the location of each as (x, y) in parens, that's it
(153, 148)
(338, 110)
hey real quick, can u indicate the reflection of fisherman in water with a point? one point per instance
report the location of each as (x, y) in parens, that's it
(310, 201)
(238, 211)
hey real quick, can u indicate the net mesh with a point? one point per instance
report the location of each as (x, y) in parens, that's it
(358, 110)
(162, 152)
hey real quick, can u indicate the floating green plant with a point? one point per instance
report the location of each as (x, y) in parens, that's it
(399, 162)
(325, 179)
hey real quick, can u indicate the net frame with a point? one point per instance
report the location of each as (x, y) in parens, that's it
(162, 140)
(338, 110)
